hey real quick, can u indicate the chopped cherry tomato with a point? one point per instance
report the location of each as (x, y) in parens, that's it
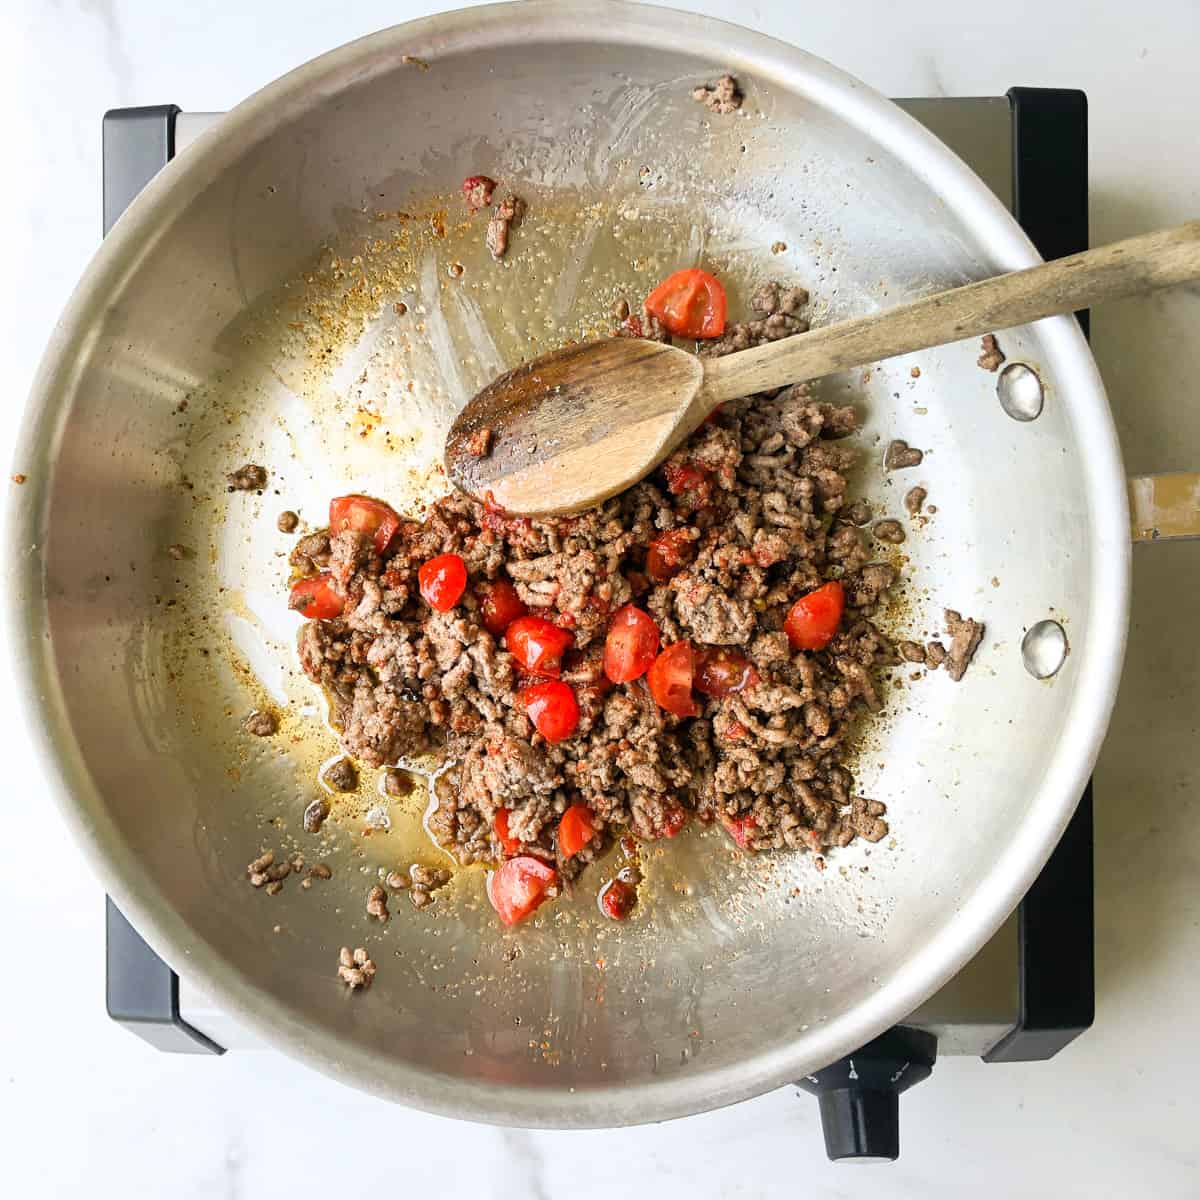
(575, 830)
(741, 829)
(814, 618)
(617, 899)
(443, 581)
(366, 516)
(690, 483)
(477, 191)
(683, 477)
(552, 707)
(670, 679)
(537, 645)
(720, 671)
(518, 886)
(669, 553)
(509, 844)
(499, 605)
(631, 644)
(674, 821)
(690, 303)
(316, 598)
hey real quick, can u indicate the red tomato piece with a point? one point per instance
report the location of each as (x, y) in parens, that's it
(741, 829)
(443, 581)
(618, 899)
(690, 303)
(499, 605)
(692, 484)
(316, 598)
(684, 477)
(518, 886)
(720, 671)
(509, 844)
(537, 645)
(552, 707)
(477, 191)
(670, 679)
(575, 830)
(814, 618)
(365, 515)
(669, 553)
(674, 821)
(631, 644)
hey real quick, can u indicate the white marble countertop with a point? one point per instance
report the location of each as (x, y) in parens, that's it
(84, 1105)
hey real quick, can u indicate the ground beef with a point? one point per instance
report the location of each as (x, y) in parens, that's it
(888, 531)
(914, 500)
(341, 775)
(250, 478)
(287, 521)
(756, 501)
(261, 723)
(992, 355)
(507, 213)
(398, 783)
(724, 96)
(900, 454)
(355, 968)
(965, 635)
(780, 317)
(315, 815)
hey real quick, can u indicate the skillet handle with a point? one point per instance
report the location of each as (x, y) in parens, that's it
(1164, 506)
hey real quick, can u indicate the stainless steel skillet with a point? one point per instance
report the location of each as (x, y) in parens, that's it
(259, 279)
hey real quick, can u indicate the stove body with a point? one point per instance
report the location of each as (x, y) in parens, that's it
(1030, 990)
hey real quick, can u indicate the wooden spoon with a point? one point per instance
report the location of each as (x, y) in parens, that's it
(576, 426)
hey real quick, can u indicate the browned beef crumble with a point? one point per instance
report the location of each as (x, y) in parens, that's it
(965, 636)
(287, 521)
(355, 968)
(992, 355)
(398, 783)
(900, 454)
(261, 724)
(315, 815)
(507, 213)
(722, 97)
(914, 499)
(341, 775)
(889, 531)
(250, 478)
(377, 904)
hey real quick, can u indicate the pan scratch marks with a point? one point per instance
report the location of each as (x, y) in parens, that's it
(445, 356)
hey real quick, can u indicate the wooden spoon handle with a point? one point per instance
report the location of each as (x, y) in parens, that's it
(1139, 264)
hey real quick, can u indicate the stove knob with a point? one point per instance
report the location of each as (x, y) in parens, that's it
(859, 1095)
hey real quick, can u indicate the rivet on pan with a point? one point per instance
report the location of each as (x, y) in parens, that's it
(1044, 649)
(1020, 391)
